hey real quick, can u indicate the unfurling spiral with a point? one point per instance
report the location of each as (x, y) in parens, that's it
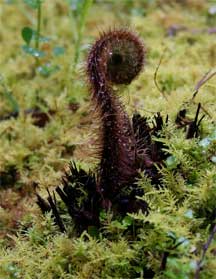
(117, 57)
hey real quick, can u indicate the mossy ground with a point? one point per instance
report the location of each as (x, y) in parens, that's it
(182, 211)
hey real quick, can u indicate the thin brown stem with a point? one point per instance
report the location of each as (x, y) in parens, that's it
(156, 74)
(207, 76)
(204, 251)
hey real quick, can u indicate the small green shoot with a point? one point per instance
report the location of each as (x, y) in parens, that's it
(28, 34)
(9, 96)
(78, 13)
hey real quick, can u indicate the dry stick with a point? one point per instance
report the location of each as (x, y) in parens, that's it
(199, 84)
(205, 248)
(156, 73)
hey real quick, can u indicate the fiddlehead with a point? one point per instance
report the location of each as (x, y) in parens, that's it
(117, 57)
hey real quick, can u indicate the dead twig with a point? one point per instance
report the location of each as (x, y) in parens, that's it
(207, 76)
(204, 250)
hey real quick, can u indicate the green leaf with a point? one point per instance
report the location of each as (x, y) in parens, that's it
(183, 241)
(27, 34)
(205, 142)
(47, 69)
(127, 221)
(213, 159)
(171, 162)
(57, 51)
(103, 215)
(189, 213)
(41, 39)
(33, 51)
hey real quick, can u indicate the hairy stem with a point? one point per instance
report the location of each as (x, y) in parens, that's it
(116, 57)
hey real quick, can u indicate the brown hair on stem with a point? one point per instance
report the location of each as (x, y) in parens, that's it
(117, 57)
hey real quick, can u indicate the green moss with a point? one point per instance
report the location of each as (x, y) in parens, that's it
(182, 212)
